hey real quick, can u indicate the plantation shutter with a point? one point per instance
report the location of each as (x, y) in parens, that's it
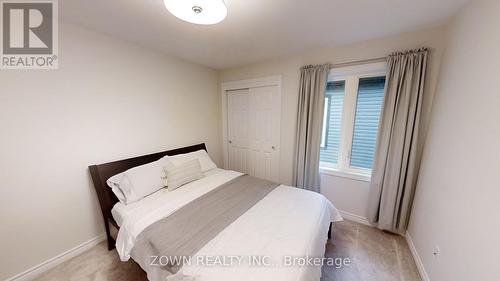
(368, 105)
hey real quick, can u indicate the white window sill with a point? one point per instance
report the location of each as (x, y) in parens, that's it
(345, 174)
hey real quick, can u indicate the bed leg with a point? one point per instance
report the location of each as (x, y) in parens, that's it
(330, 231)
(111, 243)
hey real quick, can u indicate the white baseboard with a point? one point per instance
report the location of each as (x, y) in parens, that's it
(33, 272)
(355, 218)
(416, 257)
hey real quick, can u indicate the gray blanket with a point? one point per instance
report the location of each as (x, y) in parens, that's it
(185, 232)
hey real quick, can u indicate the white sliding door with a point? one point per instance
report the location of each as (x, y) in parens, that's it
(254, 131)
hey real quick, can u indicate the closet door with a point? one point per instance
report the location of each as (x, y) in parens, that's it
(238, 103)
(254, 131)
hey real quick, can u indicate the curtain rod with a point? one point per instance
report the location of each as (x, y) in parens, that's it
(351, 63)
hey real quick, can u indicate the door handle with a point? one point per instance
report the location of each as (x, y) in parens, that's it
(230, 141)
(273, 147)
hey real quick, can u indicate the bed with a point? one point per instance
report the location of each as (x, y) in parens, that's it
(269, 241)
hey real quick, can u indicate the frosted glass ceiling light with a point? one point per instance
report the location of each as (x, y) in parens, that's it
(198, 11)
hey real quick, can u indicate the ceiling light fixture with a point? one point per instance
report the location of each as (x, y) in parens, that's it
(198, 11)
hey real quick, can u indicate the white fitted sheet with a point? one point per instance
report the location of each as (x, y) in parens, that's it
(288, 221)
(120, 211)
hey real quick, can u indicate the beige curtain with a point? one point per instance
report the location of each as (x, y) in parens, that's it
(313, 81)
(398, 150)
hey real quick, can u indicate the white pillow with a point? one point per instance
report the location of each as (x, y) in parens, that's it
(184, 173)
(138, 182)
(205, 162)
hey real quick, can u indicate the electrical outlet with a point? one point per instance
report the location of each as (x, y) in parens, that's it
(436, 252)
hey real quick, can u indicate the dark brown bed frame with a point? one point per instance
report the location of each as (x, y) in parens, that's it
(107, 199)
(101, 173)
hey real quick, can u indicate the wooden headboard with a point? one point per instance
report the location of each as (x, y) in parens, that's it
(101, 173)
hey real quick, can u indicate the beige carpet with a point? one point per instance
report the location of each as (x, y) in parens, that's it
(375, 256)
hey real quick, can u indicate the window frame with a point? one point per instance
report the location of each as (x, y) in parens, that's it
(351, 75)
(324, 129)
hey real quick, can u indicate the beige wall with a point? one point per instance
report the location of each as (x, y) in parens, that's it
(109, 100)
(458, 196)
(349, 193)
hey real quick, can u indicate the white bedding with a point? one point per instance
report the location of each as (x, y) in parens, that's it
(120, 211)
(287, 222)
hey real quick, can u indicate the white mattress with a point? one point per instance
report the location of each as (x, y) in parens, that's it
(288, 221)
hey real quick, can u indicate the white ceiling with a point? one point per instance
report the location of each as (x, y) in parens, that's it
(256, 30)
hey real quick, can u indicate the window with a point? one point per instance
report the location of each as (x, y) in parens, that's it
(353, 102)
(334, 102)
